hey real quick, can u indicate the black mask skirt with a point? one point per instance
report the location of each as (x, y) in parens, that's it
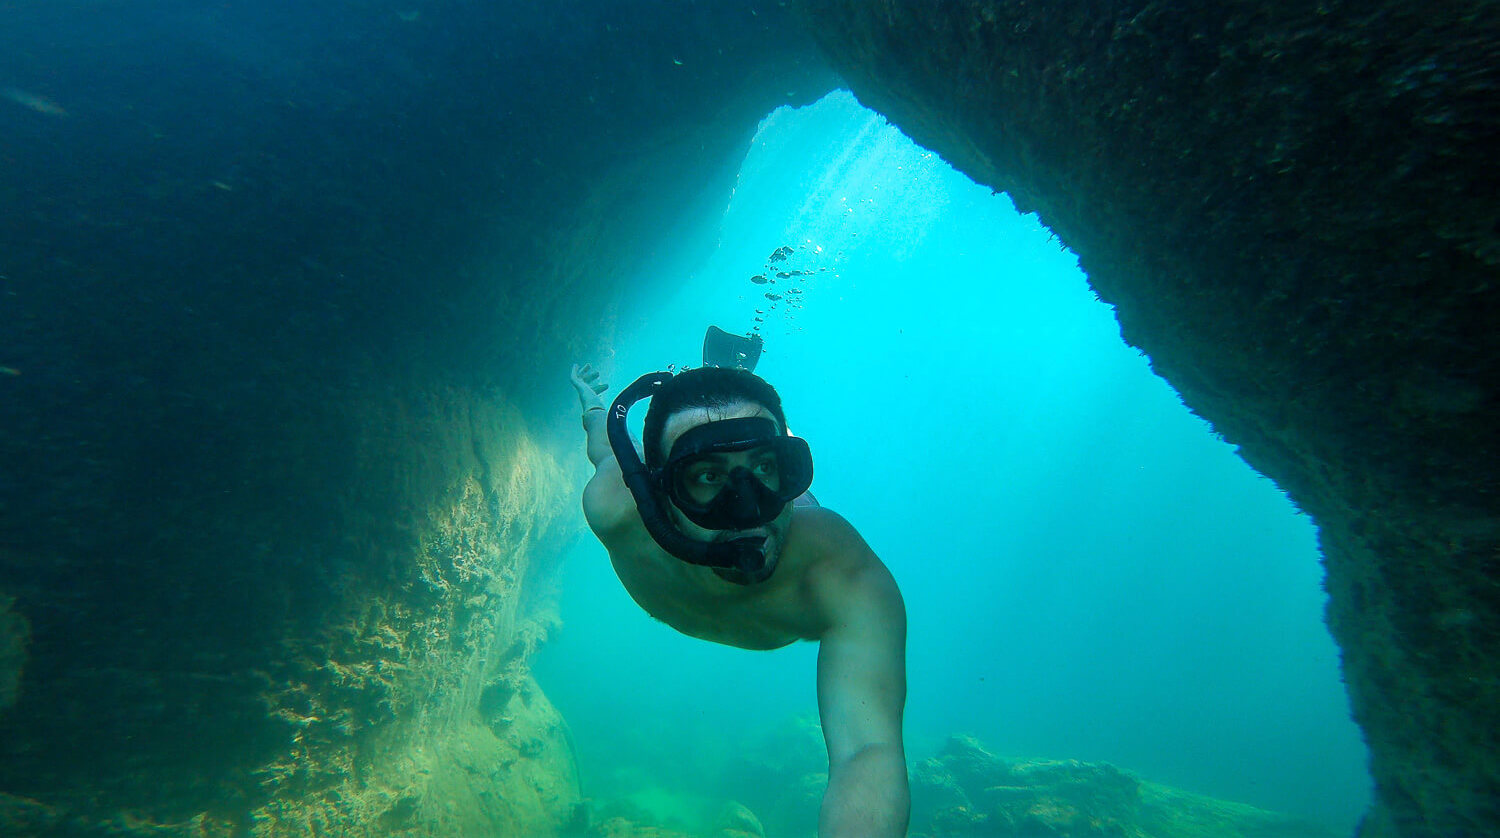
(733, 474)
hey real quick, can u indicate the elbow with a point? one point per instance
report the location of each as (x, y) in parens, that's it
(879, 767)
(868, 792)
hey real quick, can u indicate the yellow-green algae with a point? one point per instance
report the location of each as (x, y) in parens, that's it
(424, 720)
(403, 704)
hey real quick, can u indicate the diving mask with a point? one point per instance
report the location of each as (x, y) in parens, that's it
(736, 474)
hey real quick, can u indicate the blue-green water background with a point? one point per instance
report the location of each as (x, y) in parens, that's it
(1089, 572)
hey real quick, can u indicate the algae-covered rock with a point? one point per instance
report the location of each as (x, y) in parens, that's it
(332, 680)
(735, 820)
(618, 820)
(781, 774)
(967, 791)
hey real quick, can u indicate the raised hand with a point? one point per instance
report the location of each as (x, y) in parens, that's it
(589, 384)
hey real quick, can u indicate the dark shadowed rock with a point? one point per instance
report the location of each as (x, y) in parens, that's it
(1291, 207)
(280, 295)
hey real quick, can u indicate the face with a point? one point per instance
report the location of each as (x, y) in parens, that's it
(705, 478)
(702, 480)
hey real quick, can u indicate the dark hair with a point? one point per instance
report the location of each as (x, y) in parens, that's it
(704, 387)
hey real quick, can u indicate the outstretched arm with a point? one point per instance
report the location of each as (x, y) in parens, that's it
(607, 504)
(861, 693)
(589, 384)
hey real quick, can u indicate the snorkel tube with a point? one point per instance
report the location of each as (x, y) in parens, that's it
(744, 555)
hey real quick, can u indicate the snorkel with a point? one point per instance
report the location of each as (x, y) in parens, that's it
(739, 560)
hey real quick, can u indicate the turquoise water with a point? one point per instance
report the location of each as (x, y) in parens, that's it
(1089, 572)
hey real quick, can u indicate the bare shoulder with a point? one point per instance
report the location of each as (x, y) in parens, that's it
(608, 505)
(831, 542)
(844, 579)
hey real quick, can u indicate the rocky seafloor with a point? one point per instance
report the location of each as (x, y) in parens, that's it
(963, 791)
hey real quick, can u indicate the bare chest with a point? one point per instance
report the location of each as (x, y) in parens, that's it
(696, 603)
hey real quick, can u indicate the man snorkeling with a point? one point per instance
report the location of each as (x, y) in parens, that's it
(713, 533)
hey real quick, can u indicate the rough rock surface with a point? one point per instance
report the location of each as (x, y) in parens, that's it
(262, 524)
(962, 791)
(277, 288)
(1291, 207)
(619, 819)
(291, 674)
(965, 790)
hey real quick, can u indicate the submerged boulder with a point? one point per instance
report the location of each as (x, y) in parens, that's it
(967, 791)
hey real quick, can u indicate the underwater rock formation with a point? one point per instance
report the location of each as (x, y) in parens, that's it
(1291, 207)
(361, 666)
(286, 306)
(777, 777)
(619, 819)
(275, 299)
(965, 790)
(782, 772)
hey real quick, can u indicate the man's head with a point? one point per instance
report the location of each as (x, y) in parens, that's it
(691, 431)
(710, 389)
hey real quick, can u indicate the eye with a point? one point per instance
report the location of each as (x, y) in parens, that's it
(708, 476)
(765, 467)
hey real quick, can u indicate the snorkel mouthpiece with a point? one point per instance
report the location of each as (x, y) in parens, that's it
(740, 560)
(751, 565)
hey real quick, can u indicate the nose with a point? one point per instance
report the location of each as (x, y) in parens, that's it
(742, 500)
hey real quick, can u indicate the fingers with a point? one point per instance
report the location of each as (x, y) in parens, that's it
(589, 377)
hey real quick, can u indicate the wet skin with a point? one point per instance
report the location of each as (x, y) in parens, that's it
(828, 587)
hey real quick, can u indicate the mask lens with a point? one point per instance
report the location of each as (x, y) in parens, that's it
(736, 473)
(700, 480)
